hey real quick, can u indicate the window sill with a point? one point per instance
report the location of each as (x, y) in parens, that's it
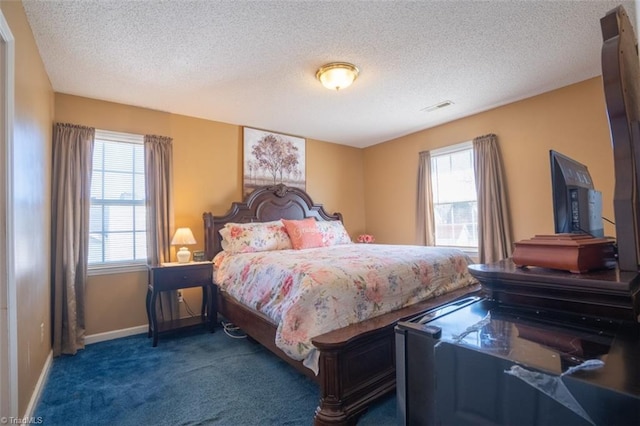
(116, 269)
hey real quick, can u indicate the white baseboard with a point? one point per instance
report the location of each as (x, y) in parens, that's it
(115, 334)
(42, 380)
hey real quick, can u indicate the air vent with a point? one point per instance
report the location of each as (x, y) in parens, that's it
(437, 106)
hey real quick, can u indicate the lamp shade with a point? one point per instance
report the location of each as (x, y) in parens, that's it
(337, 75)
(183, 237)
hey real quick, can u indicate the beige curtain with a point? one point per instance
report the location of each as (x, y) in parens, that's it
(425, 226)
(158, 163)
(494, 235)
(70, 205)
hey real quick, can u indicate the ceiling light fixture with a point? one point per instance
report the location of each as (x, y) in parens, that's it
(337, 75)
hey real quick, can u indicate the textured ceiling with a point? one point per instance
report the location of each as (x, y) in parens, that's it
(253, 63)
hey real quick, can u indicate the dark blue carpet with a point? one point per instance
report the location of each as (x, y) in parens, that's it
(195, 378)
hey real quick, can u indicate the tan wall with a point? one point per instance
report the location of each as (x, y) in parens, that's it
(207, 177)
(571, 120)
(32, 199)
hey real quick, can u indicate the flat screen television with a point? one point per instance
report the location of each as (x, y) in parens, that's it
(577, 206)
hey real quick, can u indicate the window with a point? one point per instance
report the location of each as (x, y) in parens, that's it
(454, 196)
(117, 232)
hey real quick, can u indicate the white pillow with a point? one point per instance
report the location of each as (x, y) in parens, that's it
(333, 233)
(255, 236)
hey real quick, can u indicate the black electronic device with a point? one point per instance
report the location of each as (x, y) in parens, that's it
(577, 206)
(496, 364)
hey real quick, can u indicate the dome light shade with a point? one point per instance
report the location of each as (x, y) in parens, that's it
(337, 75)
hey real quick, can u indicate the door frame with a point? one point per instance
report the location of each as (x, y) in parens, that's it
(8, 297)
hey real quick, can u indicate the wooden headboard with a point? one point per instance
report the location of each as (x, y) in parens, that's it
(263, 205)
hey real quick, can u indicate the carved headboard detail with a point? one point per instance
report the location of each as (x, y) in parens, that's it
(263, 205)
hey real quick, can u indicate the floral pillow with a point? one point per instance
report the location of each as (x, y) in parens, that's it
(255, 236)
(333, 233)
(303, 233)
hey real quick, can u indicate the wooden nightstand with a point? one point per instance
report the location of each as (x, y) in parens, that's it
(175, 276)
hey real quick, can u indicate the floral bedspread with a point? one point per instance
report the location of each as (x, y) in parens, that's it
(310, 292)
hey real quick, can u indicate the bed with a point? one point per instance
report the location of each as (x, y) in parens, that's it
(354, 365)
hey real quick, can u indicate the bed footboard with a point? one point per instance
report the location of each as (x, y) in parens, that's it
(355, 376)
(357, 363)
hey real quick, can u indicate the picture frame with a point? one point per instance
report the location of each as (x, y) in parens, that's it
(272, 158)
(199, 256)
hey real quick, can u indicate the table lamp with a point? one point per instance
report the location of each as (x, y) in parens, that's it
(183, 237)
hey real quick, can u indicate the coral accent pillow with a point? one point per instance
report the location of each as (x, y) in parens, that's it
(303, 233)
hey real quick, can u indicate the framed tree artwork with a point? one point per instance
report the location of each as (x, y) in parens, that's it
(272, 158)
